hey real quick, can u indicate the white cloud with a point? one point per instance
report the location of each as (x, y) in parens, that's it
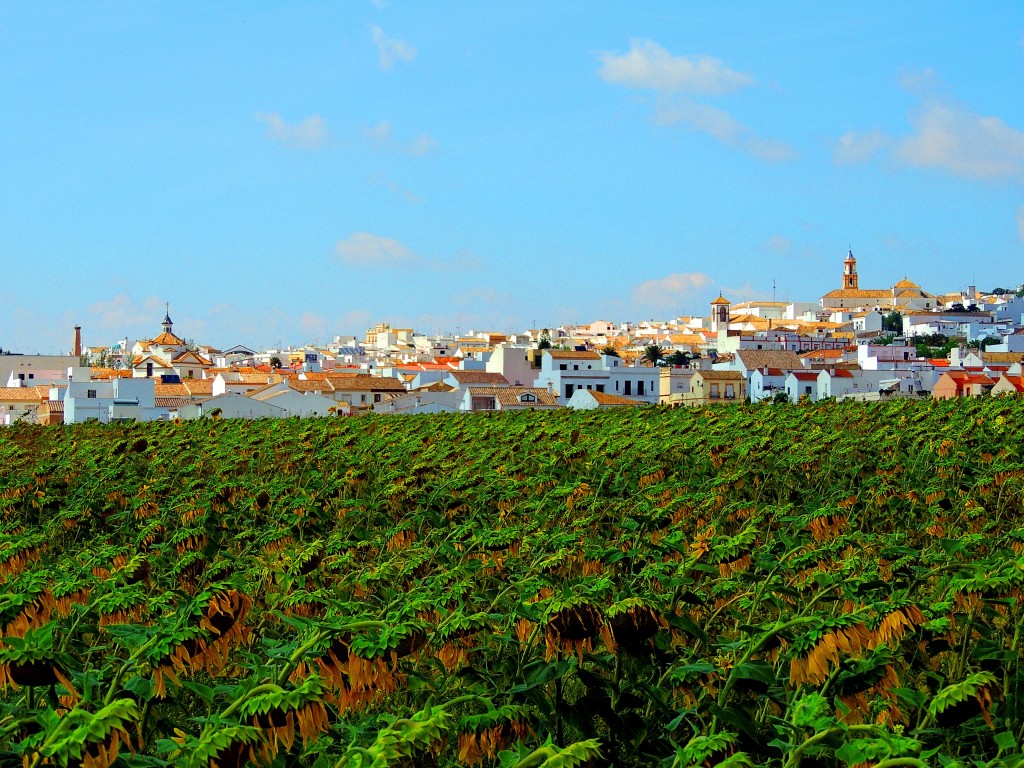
(747, 292)
(671, 291)
(391, 50)
(382, 136)
(648, 65)
(721, 125)
(422, 145)
(1020, 223)
(311, 133)
(945, 135)
(122, 312)
(779, 244)
(952, 138)
(379, 134)
(853, 147)
(382, 180)
(313, 324)
(364, 249)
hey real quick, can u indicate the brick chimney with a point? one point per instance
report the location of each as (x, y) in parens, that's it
(78, 341)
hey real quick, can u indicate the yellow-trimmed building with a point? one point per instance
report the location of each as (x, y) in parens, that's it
(905, 294)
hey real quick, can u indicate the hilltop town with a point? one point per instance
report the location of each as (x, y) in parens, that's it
(854, 342)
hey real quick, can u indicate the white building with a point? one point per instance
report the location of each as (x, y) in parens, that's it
(111, 400)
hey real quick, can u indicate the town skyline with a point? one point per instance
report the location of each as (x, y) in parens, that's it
(280, 173)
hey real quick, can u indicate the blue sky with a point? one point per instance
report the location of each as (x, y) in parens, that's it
(284, 172)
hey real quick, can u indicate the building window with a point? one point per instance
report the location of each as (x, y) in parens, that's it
(527, 398)
(640, 388)
(730, 391)
(714, 390)
(376, 398)
(563, 367)
(600, 387)
(628, 388)
(90, 393)
(807, 390)
(575, 367)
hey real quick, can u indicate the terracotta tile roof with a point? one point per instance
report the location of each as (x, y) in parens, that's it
(822, 354)
(171, 402)
(842, 373)
(170, 390)
(608, 399)
(167, 340)
(321, 385)
(720, 301)
(110, 373)
(805, 375)
(200, 360)
(141, 361)
(198, 387)
(437, 386)
(720, 375)
(479, 377)
(509, 396)
(21, 394)
(365, 383)
(572, 354)
(857, 293)
(1017, 382)
(1002, 357)
(769, 358)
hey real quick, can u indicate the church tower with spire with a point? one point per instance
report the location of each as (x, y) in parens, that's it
(850, 272)
(167, 324)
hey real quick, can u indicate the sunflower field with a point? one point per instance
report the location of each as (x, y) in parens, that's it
(798, 585)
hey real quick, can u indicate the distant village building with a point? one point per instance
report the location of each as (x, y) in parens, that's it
(905, 294)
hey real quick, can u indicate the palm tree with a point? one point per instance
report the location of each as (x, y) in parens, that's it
(653, 354)
(610, 351)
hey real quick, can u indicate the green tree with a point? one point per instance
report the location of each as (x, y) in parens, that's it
(545, 340)
(653, 354)
(275, 362)
(893, 322)
(610, 351)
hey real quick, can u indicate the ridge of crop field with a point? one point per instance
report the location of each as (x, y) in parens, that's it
(829, 584)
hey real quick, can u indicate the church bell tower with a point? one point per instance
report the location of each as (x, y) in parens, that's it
(850, 272)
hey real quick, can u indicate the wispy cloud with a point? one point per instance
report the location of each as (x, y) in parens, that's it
(391, 50)
(950, 137)
(721, 125)
(671, 291)
(648, 65)
(382, 180)
(676, 80)
(368, 251)
(122, 312)
(853, 147)
(363, 249)
(779, 244)
(383, 137)
(946, 136)
(310, 134)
